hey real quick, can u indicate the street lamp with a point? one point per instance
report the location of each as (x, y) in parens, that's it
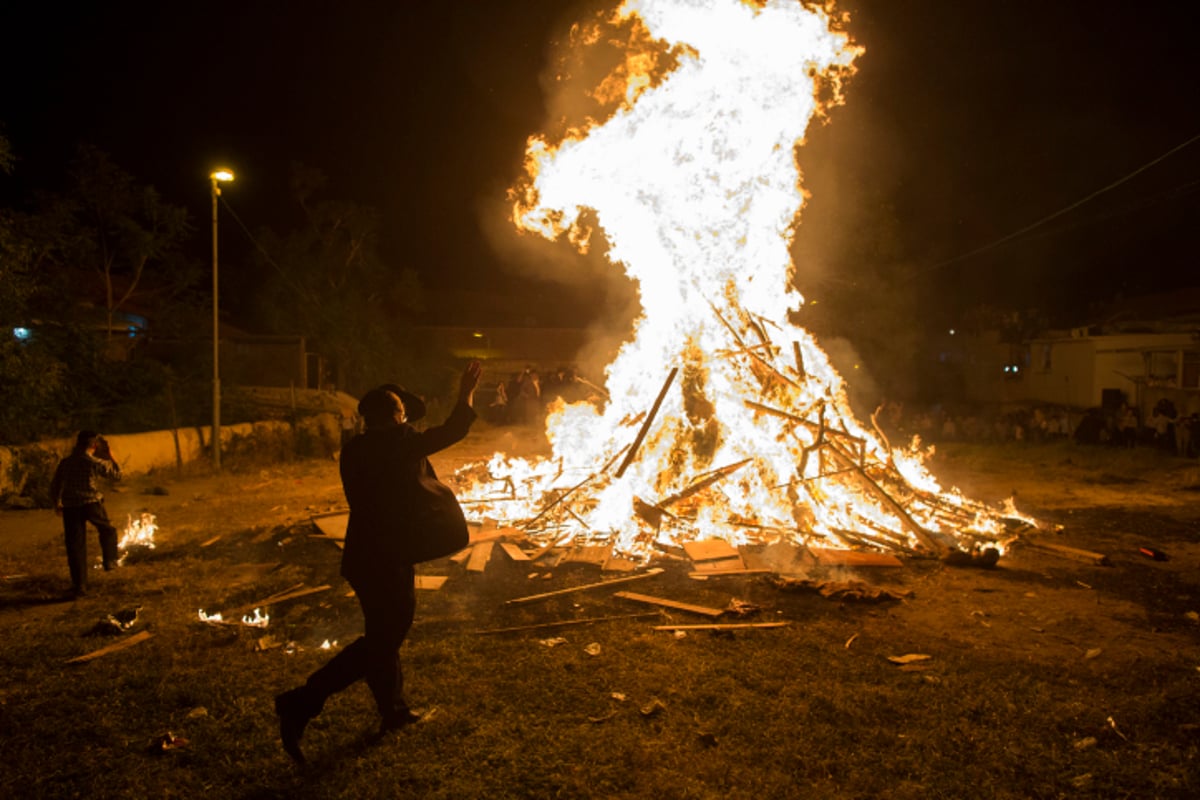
(218, 176)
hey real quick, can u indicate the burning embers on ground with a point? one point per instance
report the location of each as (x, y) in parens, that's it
(724, 419)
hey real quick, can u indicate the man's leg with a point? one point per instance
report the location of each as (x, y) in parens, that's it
(98, 516)
(388, 613)
(75, 536)
(297, 707)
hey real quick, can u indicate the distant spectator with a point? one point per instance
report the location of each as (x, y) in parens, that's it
(75, 491)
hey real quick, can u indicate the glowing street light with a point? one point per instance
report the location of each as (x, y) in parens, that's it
(218, 176)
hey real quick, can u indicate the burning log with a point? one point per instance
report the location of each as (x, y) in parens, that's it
(637, 442)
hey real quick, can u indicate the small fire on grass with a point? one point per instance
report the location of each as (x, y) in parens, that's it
(138, 533)
(256, 620)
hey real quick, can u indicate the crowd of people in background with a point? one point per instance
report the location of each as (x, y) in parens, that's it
(524, 398)
(1166, 429)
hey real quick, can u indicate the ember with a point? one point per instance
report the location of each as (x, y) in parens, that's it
(723, 419)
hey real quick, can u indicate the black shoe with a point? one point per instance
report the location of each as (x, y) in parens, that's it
(292, 721)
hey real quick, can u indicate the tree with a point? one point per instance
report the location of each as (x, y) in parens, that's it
(326, 280)
(118, 229)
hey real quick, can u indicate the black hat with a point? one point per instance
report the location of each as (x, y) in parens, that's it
(378, 403)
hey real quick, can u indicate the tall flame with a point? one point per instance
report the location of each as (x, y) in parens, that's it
(693, 181)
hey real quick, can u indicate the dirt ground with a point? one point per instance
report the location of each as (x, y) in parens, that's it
(1078, 653)
(1043, 605)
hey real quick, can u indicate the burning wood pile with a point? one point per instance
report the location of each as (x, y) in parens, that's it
(686, 161)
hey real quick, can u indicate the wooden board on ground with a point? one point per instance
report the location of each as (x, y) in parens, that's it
(332, 525)
(462, 555)
(731, 626)
(137, 638)
(853, 558)
(602, 584)
(480, 536)
(273, 599)
(480, 555)
(430, 582)
(710, 550)
(1086, 556)
(514, 552)
(662, 601)
(587, 554)
(719, 564)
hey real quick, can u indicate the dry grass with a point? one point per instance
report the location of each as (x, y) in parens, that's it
(1012, 704)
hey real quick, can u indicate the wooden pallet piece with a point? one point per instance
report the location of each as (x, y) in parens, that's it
(675, 604)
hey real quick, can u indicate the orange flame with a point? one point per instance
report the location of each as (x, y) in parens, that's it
(692, 178)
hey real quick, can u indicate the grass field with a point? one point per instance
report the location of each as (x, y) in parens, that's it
(1046, 678)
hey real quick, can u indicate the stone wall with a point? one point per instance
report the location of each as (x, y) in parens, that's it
(25, 471)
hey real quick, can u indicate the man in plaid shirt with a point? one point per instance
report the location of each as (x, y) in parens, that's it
(76, 495)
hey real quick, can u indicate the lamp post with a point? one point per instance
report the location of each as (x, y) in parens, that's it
(217, 177)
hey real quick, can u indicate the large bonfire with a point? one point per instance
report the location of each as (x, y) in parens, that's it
(723, 419)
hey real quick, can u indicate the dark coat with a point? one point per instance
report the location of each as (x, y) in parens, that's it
(391, 487)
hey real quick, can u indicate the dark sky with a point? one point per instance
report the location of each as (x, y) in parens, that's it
(967, 120)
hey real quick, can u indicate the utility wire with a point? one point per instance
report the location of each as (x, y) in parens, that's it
(1061, 211)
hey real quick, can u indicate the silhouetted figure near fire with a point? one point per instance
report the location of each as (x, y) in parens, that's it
(75, 490)
(396, 505)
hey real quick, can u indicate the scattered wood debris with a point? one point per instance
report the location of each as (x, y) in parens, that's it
(430, 582)
(1074, 553)
(843, 590)
(675, 604)
(722, 626)
(909, 658)
(278, 597)
(650, 573)
(566, 623)
(137, 638)
(513, 552)
(481, 554)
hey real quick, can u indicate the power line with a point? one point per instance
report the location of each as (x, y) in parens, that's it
(1002, 240)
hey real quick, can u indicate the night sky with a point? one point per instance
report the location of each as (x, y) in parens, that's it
(967, 121)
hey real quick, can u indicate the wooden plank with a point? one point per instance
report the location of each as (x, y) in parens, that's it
(514, 552)
(137, 638)
(730, 626)
(650, 573)
(662, 601)
(332, 525)
(211, 541)
(430, 582)
(567, 622)
(719, 564)
(479, 537)
(1088, 556)
(587, 554)
(462, 555)
(719, 572)
(827, 557)
(710, 549)
(273, 600)
(480, 555)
